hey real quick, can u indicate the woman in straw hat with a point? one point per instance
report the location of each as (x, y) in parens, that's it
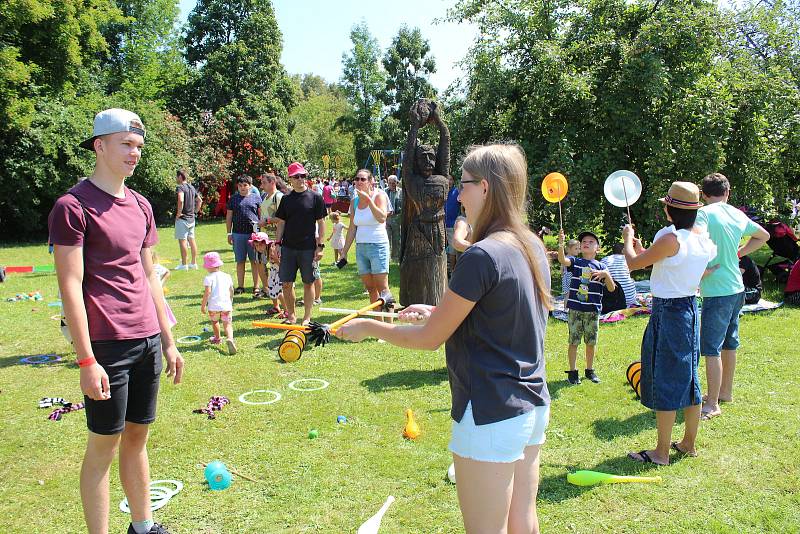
(671, 343)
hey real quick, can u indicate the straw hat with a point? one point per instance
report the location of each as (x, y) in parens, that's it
(683, 195)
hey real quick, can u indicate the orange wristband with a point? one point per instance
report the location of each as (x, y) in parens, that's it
(86, 362)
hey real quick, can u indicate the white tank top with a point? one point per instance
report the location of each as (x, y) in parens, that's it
(368, 229)
(679, 275)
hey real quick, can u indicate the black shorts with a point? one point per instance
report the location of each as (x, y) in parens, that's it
(134, 367)
(293, 259)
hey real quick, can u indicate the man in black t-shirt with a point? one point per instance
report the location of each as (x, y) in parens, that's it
(301, 233)
(189, 202)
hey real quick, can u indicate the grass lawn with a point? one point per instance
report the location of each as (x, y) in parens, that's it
(745, 479)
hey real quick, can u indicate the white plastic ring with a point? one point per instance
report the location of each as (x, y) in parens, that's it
(159, 484)
(159, 494)
(243, 397)
(189, 339)
(322, 384)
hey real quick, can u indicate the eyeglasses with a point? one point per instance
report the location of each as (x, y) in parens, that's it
(461, 185)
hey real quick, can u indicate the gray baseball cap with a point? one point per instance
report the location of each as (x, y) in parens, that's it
(111, 121)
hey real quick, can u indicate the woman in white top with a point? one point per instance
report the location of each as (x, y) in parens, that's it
(671, 343)
(368, 228)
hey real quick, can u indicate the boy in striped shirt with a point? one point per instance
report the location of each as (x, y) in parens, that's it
(584, 301)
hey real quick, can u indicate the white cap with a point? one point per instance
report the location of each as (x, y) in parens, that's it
(114, 120)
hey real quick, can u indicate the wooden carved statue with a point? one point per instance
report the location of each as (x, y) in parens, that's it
(423, 263)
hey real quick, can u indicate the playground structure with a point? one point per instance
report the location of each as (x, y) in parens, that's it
(384, 162)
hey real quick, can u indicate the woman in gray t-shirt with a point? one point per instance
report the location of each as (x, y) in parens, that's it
(492, 319)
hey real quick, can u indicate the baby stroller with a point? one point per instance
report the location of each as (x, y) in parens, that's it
(783, 243)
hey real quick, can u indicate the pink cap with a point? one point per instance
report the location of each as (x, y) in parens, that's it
(259, 236)
(211, 260)
(295, 169)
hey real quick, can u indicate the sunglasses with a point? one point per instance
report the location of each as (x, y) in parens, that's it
(461, 184)
(360, 179)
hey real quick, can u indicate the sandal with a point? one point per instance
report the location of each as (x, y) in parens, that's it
(643, 458)
(272, 311)
(287, 321)
(674, 447)
(282, 315)
(706, 416)
(238, 291)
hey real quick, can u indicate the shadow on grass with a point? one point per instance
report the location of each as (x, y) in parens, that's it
(66, 359)
(406, 380)
(555, 488)
(609, 428)
(555, 386)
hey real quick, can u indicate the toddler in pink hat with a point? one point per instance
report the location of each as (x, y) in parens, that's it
(218, 299)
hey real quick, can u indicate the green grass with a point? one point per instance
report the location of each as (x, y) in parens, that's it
(745, 480)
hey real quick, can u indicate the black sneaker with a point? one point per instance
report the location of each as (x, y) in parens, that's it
(590, 374)
(572, 377)
(157, 528)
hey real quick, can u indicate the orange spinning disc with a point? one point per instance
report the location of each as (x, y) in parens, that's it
(554, 187)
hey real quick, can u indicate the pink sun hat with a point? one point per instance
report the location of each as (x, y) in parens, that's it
(211, 260)
(259, 236)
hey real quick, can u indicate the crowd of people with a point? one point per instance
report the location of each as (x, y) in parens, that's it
(120, 324)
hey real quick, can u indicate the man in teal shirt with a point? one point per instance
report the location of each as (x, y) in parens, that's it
(722, 289)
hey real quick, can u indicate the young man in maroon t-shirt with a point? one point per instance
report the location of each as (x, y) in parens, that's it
(114, 307)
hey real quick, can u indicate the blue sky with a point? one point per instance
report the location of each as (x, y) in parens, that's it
(317, 32)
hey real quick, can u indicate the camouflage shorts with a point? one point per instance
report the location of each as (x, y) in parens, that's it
(583, 324)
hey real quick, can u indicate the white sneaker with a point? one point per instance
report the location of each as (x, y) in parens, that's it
(193, 266)
(181, 267)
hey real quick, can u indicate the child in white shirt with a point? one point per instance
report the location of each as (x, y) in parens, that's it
(218, 298)
(337, 236)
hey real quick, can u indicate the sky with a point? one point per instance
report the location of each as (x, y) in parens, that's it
(317, 32)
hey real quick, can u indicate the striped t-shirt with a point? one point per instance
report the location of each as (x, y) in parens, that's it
(618, 267)
(585, 294)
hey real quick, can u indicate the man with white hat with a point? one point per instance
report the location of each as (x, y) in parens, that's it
(114, 306)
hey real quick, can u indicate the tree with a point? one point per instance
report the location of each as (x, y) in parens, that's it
(408, 66)
(363, 82)
(144, 51)
(314, 133)
(46, 47)
(236, 47)
(670, 90)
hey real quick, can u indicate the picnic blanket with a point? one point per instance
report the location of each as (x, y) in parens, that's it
(644, 300)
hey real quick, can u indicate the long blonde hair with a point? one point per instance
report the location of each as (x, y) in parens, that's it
(505, 168)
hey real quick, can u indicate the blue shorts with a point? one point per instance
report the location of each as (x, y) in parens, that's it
(500, 442)
(242, 250)
(372, 258)
(449, 234)
(719, 324)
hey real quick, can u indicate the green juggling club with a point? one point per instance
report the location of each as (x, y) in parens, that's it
(591, 478)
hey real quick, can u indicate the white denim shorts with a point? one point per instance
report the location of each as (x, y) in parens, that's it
(501, 442)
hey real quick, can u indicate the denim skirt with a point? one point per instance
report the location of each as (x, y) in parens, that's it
(671, 355)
